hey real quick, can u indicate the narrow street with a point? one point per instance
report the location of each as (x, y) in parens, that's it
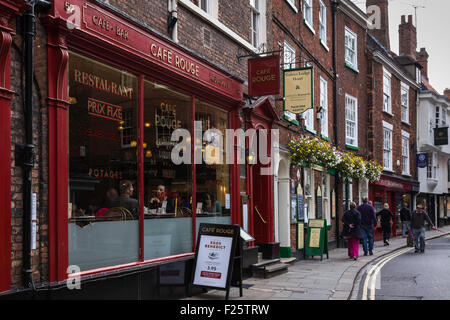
(406, 275)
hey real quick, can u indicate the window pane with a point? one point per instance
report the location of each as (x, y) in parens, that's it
(103, 206)
(167, 186)
(212, 180)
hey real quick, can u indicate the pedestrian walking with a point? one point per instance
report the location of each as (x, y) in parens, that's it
(386, 216)
(405, 217)
(368, 222)
(418, 218)
(352, 230)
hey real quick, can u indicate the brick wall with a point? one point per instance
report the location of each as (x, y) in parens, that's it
(39, 259)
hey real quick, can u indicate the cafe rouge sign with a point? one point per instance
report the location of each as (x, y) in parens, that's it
(264, 76)
(102, 24)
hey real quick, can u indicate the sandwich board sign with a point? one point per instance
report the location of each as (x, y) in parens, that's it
(216, 249)
(317, 238)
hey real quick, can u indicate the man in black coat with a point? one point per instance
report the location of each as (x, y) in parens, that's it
(405, 217)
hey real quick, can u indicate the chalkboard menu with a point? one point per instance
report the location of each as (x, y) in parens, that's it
(319, 207)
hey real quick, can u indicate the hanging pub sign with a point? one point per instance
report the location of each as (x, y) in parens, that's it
(422, 160)
(440, 136)
(264, 76)
(298, 89)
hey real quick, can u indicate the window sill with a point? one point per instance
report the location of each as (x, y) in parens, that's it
(292, 6)
(388, 113)
(351, 67)
(388, 170)
(310, 27)
(291, 120)
(407, 174)
(324, 137)
(310, 130)
(324, 45)
(406, 123)
(349, 146)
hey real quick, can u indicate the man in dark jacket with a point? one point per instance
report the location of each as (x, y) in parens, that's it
(405, 217)
(418, 218)
(368, 222)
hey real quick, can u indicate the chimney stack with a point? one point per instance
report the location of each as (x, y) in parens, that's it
(422, 58)
(382, 33)
(447, 92)
(407, 37)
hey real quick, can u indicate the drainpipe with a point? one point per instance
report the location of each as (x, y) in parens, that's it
(172, 25)
(334, 6)
(25, 153)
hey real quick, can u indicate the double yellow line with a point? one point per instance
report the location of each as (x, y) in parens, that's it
(373, 273)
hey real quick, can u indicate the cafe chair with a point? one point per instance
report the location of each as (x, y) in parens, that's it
(119, 213)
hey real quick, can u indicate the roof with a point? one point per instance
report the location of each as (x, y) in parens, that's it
(428, 86)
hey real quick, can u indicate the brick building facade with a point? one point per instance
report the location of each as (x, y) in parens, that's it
(329, 36)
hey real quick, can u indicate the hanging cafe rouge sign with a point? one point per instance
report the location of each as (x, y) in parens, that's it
(264, 76)
(100, 23)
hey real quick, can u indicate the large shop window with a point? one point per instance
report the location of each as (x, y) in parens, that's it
(212, 175)
(167, 186)
(103, 172)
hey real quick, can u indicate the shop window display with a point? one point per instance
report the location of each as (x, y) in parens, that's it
(212, 175)
(167, 186)
(103, 204)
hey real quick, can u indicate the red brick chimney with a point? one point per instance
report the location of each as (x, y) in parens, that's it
(447, 92)
(407, 37)
(382, 33)
(422, 58)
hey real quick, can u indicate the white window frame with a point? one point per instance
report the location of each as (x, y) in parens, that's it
(292, 4)
(324, 106)
(310, 198)
(405, 153)
(387, 92)
(351, 122)
(387, 146)
(348, 61)
(323, 23)
(440, 116)
(289, 59)
(326, 198)
(308, 16)
(431, 167)
(255, 23)
(405, 107)
(289, 56)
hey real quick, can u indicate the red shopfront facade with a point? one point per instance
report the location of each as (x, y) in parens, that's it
(394, 191)
(9, 9)
(112, 83)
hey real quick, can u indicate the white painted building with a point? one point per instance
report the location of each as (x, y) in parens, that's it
(433, 113)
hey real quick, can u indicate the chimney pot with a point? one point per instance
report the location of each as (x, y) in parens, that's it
(410, 19)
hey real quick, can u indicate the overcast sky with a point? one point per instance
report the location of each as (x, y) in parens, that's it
(433, 33)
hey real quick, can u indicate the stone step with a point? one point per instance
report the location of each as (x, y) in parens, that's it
(275, 270)
(288, 260)
(265, 262)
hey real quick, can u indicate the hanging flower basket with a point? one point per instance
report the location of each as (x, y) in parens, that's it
(314, 151)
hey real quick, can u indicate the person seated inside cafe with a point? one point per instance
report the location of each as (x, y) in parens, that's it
(110, 197)
(161, 201)
(208, 206)
(125, 200)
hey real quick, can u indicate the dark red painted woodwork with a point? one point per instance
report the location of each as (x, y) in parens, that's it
(132, 53)
(8, 10)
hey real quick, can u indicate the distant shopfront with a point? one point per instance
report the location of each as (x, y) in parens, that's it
(393, 191)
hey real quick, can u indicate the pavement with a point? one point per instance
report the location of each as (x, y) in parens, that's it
(336, 278)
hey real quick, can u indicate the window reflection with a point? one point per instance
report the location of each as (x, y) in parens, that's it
(167, 186)
(212, 175)
(103, 205)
